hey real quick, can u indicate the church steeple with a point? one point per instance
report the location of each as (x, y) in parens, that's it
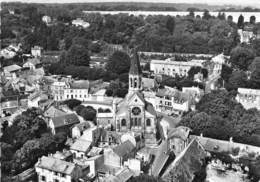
(135, 74)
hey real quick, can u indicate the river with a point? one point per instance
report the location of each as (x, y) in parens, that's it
(235, 15)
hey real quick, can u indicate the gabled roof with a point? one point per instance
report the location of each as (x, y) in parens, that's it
(186, 164)
(123, 149)
(12, 68)
(81, 145)
(53, 112)
(68, 119)
(139, 95)
(56, 165)
(161, 158)
(82, 126)
(135, 68)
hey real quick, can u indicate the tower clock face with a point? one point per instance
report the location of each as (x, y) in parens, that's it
(136, 111)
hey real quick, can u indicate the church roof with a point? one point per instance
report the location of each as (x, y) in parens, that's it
(135, 67)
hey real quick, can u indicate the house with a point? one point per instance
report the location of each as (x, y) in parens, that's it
(172, 101)
(93, 162)
(78, 129)
(194, 93)
(119, 154)
(35, 98)
(172, 67)
(80, 23)
(36, 51)
(63, 123)
(32, 63)
(58, 88)
(92, 134)
(11, 72)
(56, 170)
(46, 19)
(249, 98)
(80, 148)
(105, 119)
(77, 89)
(53, 112)
(123, 175)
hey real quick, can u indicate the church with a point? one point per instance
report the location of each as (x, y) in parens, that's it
(133, 113)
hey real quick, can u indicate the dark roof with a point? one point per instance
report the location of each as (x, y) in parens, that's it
(68, 119)
(161, 158)
(123, 149)
(149, 108)
(186, 164)
(135, 68)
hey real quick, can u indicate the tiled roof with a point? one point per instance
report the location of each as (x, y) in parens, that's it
(56, 165)
(53, 112)
(64, 120)
(160, 159)
(80, 84)
(81, 145)
(124, 149)
(33, 61)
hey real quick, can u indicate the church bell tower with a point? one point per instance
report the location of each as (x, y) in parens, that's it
(135, 75)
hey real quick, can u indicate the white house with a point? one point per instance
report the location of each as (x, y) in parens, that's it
(32, 63)
(249, 98)
(170, 101)
(80, 23)
(46, 19)
(77, 90)
(36, 51)
(78, 129)
(56, 170)
(80, 148)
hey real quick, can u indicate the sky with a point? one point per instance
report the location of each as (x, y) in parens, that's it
(213, 2)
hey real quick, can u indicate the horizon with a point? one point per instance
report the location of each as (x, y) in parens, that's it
(250, 3)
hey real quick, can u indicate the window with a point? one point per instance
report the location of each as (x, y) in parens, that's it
(56, 174)
(43, 178)
(63, 175)
(148, 122)
(85, 96)
(135, 122)
(131, 80)
(123, 122)
(79, 96)
(135, 83)
(68, 96)
(56, 180)
(139, 121)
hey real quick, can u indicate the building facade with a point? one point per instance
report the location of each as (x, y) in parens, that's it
(172, 68)
(249, 98)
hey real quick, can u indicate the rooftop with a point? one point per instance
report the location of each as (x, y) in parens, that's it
(63, 120)
(79, 84)
(81, 145)
(56, 165)
(12, 68)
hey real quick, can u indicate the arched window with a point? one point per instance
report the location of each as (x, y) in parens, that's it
(140, 82)
(123, 122)
(135, 83)
(131, 80)
(148, 122)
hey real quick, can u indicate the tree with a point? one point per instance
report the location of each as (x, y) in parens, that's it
(238, 79)
(72, 103)
(206, 15)
(240, 23)
(119, 62)
(254, 68)
(88, 113)
(241, 57)
(252, 19)
(230, 18)
(78, 55)
(170, 24)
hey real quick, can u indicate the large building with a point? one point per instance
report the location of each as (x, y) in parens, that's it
(134, 113)
(172, 68)
(249, 98)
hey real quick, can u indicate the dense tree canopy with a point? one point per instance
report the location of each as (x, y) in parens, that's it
(219, 116)
(118, 63)
(241, 57)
